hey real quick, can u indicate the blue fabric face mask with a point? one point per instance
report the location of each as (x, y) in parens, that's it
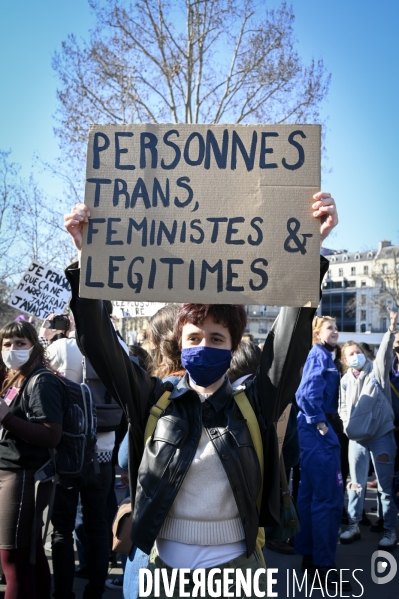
(357, 361)
(204, 364)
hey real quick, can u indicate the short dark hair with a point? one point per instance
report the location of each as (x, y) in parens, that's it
(245, 360)
(366, 349)
(143, 357)
(232, 316)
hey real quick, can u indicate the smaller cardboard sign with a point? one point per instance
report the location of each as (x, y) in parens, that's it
(41, 291)
(134, 309)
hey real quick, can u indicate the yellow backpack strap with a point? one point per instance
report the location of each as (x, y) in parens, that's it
(247, 411)
(155, 413)
(394, 389)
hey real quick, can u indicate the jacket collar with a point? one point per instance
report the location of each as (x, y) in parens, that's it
(217, 399)
(324, 350)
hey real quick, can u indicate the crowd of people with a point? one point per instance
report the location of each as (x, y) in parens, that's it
(190, 414)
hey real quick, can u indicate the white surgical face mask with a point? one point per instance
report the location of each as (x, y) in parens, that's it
(357, 361)
(15, 358)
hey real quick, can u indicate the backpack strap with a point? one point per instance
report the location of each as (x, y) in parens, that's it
(156, 412)
(252, 422)
(246, 409)
(394, 389)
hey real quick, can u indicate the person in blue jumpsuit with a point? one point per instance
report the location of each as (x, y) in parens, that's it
(320, 495)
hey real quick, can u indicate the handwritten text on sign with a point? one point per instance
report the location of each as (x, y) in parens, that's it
(123, 309)
(41, 291)
(202, 213)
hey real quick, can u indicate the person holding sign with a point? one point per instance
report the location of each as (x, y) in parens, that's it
(196, 482)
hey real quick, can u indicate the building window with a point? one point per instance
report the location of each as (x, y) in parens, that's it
(340, 272)
(362, 314)
(363, 299)
(385, 269)
(363, 284)
(365, 270)
(383, 324)
(353, 270)
(362, 328)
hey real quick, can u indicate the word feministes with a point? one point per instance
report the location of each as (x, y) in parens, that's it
(203, 213)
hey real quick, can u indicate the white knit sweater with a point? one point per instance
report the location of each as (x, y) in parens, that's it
(204, 511)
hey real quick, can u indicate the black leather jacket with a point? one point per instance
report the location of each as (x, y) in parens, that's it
(157, 472)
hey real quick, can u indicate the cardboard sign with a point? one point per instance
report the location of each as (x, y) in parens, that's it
(42, 291)
(202, 213)
(129, 309)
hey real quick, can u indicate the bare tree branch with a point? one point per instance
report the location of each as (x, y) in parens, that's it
(183, 61)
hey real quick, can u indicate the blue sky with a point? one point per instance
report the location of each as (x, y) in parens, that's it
(357, 41)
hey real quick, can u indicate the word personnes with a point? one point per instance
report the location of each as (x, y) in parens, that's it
(229, 582)
(200, 148)
(311, 583)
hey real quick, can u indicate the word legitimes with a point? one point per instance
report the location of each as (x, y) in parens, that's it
(225, 273)
(228, 582)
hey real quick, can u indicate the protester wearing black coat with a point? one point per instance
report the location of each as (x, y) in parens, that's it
(155, 480)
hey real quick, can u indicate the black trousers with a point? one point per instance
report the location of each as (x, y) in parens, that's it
(93, 489)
